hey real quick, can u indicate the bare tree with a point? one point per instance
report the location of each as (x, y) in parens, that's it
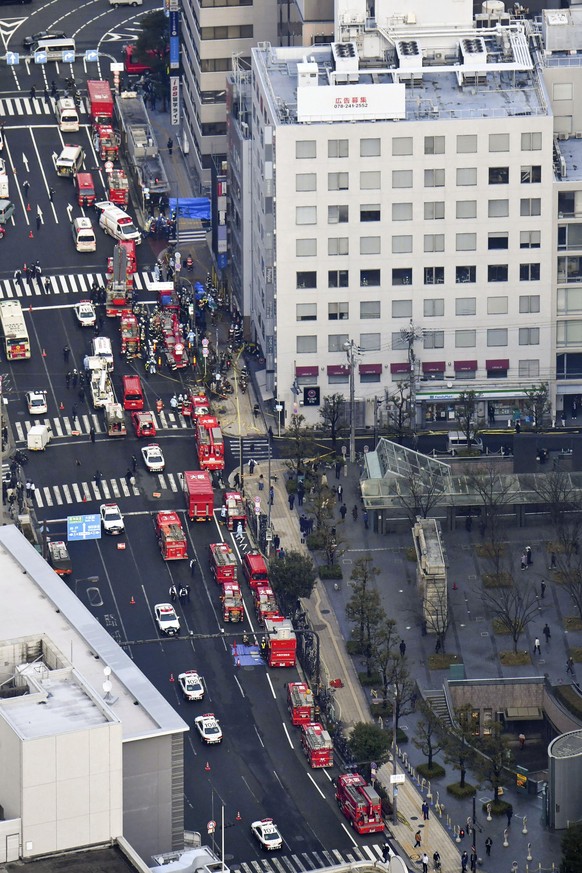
(537, 404)
(385, 651)
(332, 415)
(457, 743)
(398, 406)
(301, 438)
(419, 495)
(513, 606)
(466, 413)
(364, 609)
(495, 491)
(494, 758)
(428, 731)
(404, 688)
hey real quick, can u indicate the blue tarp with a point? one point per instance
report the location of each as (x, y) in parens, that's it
(195, 207)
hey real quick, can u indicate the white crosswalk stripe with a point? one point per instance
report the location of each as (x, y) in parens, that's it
(13, 106)
(64, 426)
(73, 283)
(107, 489)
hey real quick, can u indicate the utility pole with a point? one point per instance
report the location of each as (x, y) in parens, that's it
(410, 335)
(352, 351)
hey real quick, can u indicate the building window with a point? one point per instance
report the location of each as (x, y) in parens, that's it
(336, 342)
(338, 279)
(465, 339)
(338, 245)
(232, 31)
(401, 245)
(338, 378)
(434, 178)
(498, 142)
(466, 176)
(402, 309)
(466, 242)
(498, 175)
(530, 206)
(306, 215)
(528, 369)
(466, 209)
(531, 142)
(434, 242)
(531, 174)
(402, 178)
(464, 375)
(497, 305)
(338, 311)
(498, 208)
(306, 182)
(401, 145)
(369, 278)
(466, 144)
(402, 276)
(530, 239)
(370, 212)
(306, 311)
(433, 339)
(370, 180)
(338, 148)
(399, 341)
(306, 248)
(369, 245)
(529, 336)
(569, 333)
(434, 307)
(338, 181)
(497, 273)
(305, 148)
(337, 214)
(570, 236)
(434, 145)
(466, 275)
(570, 269)
(401, 211)
(369, 309)
(307, 279)
(370, 148)
(529, 272)
(529, 303)
(370, 342)
(498, 240)
(465, 306)
(497, 336)
(434, 275)
(434, 210)
(306, 345)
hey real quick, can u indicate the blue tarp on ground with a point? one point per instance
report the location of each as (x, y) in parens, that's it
(195, 207)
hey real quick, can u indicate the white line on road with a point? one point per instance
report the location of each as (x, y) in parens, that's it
(239, 686)
(316, 785)
(271, 686)
(349, 833)
(287, 735)
(259, 737)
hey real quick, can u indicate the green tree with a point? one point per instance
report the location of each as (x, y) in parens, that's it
(301, 439)
(537, 404)
(364, 609)
(572, 850)
(332, 415)
(466, 413)
(292, 577)
(368, 743)
(153, 47)
(495, 757)
(428, 729)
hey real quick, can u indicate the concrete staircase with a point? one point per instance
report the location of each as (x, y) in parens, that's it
(438, 703)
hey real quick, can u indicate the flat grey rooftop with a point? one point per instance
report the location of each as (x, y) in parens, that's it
(109, 859)
(571, 151)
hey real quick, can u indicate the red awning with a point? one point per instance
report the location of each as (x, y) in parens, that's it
(337, 369)
(497, 364)
(370, 369)
(434, 367)
(465, 366)
(400, 368)
(306, 371)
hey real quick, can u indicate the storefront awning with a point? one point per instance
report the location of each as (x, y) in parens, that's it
(465, 366)
(434, 367)
(307, 371)
(370, 369)
(337, 369)
(497, 364)
(400, 368)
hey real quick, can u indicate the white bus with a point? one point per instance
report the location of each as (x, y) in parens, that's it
(13, 330)
(54, 48)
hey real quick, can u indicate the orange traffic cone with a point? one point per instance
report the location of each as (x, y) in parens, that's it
(61, 406)
(84, 498)
(44, 353)
(207, 768)
(132, 601)
(238, 816)
(454, 586)
(28, 207)
(30, 234)
(171, 677)
(30, 307)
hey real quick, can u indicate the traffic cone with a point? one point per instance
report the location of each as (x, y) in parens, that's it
(238, 816)
(61, 406)
(132, 601)
(30, 307)
(84, 498)
(28, 207)
(207, 768)
(171, 677)
(454, 586)
(44, 353)
(30, 234)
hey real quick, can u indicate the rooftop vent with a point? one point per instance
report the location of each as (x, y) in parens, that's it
(345, 57)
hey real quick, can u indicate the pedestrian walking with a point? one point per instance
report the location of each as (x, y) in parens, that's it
(425, 808)
(17, 275)
(270, 434)
(262, 483)
(547, 633)
(300, 496)
(28, 488)
(303, 523)
(276, 542)
(223, 513)
(47, 285)
(291, 499)
(338, 469)
(74, 412)
(343, 511)
(32, 92)
(128, 476)
(26, 187)
(173, 592)
(542, 589)
(134, 463)
(402, 648)
(366, 519)
(51, 194)
(54, 91)
(38, 221)
(552, 561)
(570, 665)
(92, 434)
(385, 853)
(524, 561)
(488, 844)
(509, 814)
(183, 593)
(271, 495)
(417, 839)
(68, 377)
(528, 556)
(81, 394)
(252, 465)
(324, 482)
(464, 861)
(537, 648)
(193, 566)
(355, 512)
(340, 493)
(425, 863)
(236, 481)
(75, 378)
(188, 590)
(473, 859)
(170, 145)
(521, 741)
(98, 476)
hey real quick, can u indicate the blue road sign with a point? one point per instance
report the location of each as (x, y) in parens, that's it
(12, 58)
(92, 55)
(68, 57)
(40, 58)
(83, 527)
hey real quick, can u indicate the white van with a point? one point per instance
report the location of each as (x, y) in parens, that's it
(54, 47)
(84, 235)
(125, 3)
(119, 225)
(3, 181)
(70, 161)
(101, 348)
(457, 443)
(67, 114)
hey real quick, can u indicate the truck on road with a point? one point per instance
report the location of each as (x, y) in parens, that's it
(360, 803)
(171, 536)
(199, 495)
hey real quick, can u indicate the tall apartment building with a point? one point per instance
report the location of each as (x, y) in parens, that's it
(401, 187)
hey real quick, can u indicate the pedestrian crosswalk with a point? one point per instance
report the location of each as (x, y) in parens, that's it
(73, 283)
(64, 425)
(106, 489)
(11, 107)
(252, 447)
(304, 861)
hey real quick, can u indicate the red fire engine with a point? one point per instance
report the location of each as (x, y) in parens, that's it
(232, 602)
(168, 297)
(118, 188)
(300, 703)
(195, 405)
(222, 563)
(108, 142)
(209, 443)
(199, 495)
(317, 745)
(174, 345)
(281, 642)
(360, 803)
(119, 279)
(130, 336)
(171, 536)
(265, 602)
(100, 101)
(235, 510)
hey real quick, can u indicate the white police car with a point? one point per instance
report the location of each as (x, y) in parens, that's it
(267, 833)
(36, 402)
(166, 619)
(111, 518)
(208, 728)
(153, 458)
(191, 685)
(85, 313)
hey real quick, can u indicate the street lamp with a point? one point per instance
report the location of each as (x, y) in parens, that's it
(352, 351)
(278, 410)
